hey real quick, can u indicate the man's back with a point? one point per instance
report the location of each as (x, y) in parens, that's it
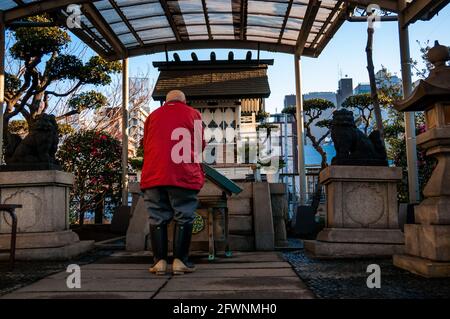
(165, 164)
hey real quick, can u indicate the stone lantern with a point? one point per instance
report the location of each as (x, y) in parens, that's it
(427, 243)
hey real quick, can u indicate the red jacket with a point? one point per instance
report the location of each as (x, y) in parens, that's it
(164, 130)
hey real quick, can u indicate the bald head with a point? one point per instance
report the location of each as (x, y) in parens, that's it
(175, 95)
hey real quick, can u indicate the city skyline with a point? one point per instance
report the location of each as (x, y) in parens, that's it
(344, 55)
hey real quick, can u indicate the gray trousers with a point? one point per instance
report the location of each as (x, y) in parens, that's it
(166, 202)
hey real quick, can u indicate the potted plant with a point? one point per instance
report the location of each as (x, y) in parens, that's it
(136, 164)
(272, 172)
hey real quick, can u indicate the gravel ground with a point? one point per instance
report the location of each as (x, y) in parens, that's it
(346, 278)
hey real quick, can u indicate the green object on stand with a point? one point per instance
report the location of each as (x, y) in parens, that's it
(221, 181)
(218, 204)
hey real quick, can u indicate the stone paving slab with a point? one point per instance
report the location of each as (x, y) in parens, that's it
(246, 275)
(237, 294)
(242, 272)
(112, 284)
(144, 274)
(236, 257)
(107, 274)
(247, 283)
(215, 265)
(80, 295)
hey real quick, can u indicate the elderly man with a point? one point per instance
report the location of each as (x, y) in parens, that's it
(171, 178)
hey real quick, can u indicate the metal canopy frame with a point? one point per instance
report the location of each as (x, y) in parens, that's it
(117, 29)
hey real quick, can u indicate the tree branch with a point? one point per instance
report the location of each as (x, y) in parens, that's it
(77, 86)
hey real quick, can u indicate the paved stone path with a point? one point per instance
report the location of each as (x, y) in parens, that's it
(125, 275)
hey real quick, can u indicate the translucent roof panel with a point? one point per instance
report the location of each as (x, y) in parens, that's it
(298, 11)
(7, 4)
(150, 23)
(121, 28)
(156, 34)
(269, 21)
(268, 7)
(142, 10)
(220, 18)
(190, 6)
(219, 6)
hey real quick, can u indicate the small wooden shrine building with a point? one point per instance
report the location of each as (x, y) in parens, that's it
(228, 93)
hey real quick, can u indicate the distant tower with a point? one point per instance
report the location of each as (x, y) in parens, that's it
(345, 89)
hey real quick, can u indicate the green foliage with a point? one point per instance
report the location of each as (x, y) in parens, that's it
(43, 64)
(12, 83)
(97, 71)
(396, 149)
(362, 105)
(290, 109)
(394, 131)
(358, 101)
(136, 163)
(95, 160)
(261, 116)
(65, 129)
(313, 110)
(423, 72)
(317, 105)
(87, 100)
(64, 67)
(266, 126)
(38, 41)
(326, 123)
(20, 127)
(312, 105)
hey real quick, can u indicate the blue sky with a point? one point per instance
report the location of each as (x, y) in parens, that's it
(345, 53)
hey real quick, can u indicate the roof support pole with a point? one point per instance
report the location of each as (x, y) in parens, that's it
(2, 80)
(300, 129)
(410, 127)
(125, 100)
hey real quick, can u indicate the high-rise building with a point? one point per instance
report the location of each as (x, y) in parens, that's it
(330, 96)
(344, 91)
(289, 100)
(362, 88)
(136, 121)
(382, 80)
(285, 126)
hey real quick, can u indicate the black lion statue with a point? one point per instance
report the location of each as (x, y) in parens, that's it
(37, 150)
(352, 146)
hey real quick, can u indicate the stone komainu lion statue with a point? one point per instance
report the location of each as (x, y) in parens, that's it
(352, 146)
(38, 147)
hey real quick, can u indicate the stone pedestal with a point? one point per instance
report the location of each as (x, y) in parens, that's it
(43, 220)
(279, 213)
(427, 250)
(362, 213)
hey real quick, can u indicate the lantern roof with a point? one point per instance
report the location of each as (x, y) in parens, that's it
(435, 88)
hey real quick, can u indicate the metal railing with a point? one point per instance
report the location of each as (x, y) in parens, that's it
(10, 209)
